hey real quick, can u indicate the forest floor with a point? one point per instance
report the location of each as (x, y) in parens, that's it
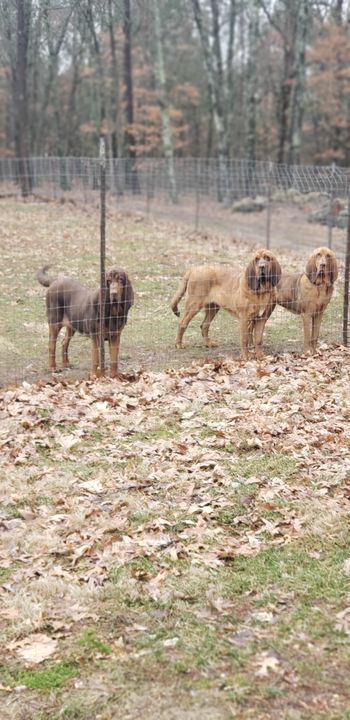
(173, 547)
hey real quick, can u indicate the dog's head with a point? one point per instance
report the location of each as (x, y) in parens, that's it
(119, 291)
(322, 267)
(263, 271)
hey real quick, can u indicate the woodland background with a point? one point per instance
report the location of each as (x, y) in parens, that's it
(260, 79)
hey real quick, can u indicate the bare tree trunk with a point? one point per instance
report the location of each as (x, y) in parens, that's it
(216, 98)
(284, 104)
(230, 71)
(297, 110)
(253, 32)
(337, 12)
(114, 96)
(23, 8)
(129, 98)
(99, 60)
(71, 124)
(163, 104)
(54, 43)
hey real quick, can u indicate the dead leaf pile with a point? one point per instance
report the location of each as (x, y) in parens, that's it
(100, 475)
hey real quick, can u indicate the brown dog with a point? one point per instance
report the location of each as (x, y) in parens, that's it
(73, 306)
(309, 293)
(250, 295)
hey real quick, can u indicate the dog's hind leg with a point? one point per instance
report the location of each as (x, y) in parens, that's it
(53, 334)
(191, 310)
(65, 344)
(210, 312)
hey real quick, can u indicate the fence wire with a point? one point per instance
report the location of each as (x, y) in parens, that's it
(150, 177)
(290, 209)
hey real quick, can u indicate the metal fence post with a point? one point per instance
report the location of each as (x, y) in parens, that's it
(268, 209)
(102, 250)
(346, 278)
(330, 212)
(196, 217)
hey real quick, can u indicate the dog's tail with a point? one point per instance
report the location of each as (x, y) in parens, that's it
(43, 278)
(180, 293)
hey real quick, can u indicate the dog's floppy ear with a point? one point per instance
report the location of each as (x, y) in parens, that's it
(311, 269)
(128, 294)
(252, 277)
(274, 272)
(333, 268)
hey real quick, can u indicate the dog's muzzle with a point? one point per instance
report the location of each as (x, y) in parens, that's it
(262, 266)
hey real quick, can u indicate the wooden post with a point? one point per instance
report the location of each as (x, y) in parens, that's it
(346, 278)
(102, 250)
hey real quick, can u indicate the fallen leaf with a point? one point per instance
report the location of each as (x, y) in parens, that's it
(35, 648)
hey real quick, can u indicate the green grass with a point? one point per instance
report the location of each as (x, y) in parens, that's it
(49, 677)
(90, 641)
(292, 569)
(261, 465)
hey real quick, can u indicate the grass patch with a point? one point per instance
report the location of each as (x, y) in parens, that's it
(314, 581)
(261, 465)
(90, 641)
(48, 677)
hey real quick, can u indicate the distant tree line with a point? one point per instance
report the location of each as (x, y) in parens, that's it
(164, 78)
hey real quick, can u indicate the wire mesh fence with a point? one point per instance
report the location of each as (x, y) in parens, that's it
(291, 210)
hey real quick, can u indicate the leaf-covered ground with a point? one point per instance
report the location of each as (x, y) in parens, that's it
(177, 547)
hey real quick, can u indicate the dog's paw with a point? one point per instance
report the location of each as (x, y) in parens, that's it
(179, 346)
(211, 344)
(259, 355)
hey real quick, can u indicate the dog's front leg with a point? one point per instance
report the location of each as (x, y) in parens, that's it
(114, 342)
(244, 326)
(259, 326)
(94, 353)
(307, 322)
(316, 325)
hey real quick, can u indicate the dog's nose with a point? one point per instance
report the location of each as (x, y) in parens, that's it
(262, 264)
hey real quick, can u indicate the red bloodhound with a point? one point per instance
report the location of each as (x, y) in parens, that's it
(250, 295)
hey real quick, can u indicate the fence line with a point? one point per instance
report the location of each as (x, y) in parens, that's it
(143, 184)
(279, 206)
(244, 177)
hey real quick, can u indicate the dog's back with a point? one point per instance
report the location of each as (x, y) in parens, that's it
(208, 284)
(70, 303)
